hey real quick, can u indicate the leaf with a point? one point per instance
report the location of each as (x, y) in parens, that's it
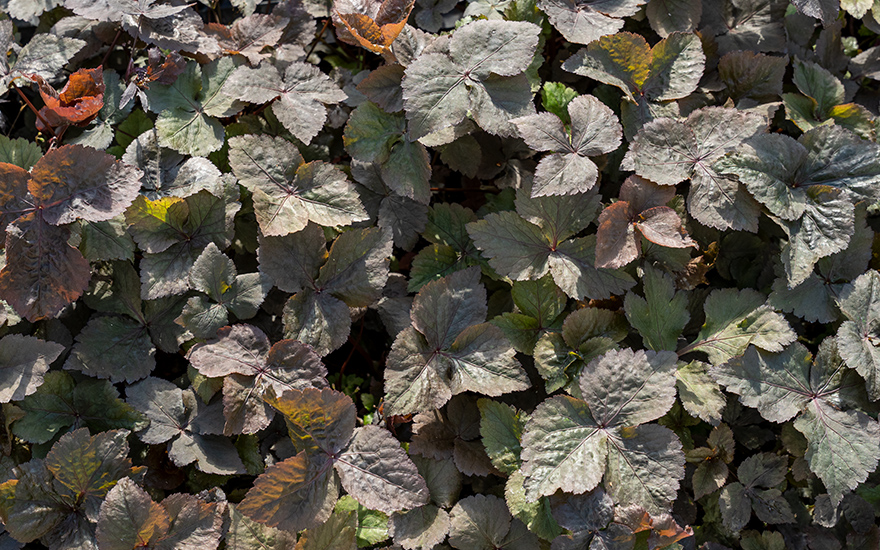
(584, 21)
(789, 385)
(860, 303)
(189, 108)
(660, 317)
(20, 152)
(446, 352)
(243, 350)
(688, 149)
(752, 75)
(540, 304)
(699, 393)
(168, 173)
(755, 25)
(626, 61)
(302, 92)
(378, 473)
(490, 56)
(423, 527)
(594, 130)
(129, 518)
(337, 533)
(107, 240)
(736, 319)
(173, 233)
(246, 534)
(44, 55)
(668, 16)
(501, 428)
(62, 403)
(113, 347)
(289, 193)
(76, 104)
(43, 274)
(353, 275)
(483, 522)
(374, 25)
(24, 361)
(99, 134)
(292, 261)
(250, 35)
(571, 444)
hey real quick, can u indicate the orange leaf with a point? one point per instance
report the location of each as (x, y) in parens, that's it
(375, 26)
(77, 103)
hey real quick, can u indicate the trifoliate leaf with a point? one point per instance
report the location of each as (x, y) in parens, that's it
(594, 130)
(540, 304)
(168, 173)
(668, 151)
(353, 275)
(735, 319)
(243, 350)
(24, 361)
(571, 444)
(447, 352)
(529, 243)
(786, 385)
(188, 107)
(758, 476)
(481, 74)
(583, 21)
(452, 435)
(642, 73)
(186, 424)
(246, 534)
(586, 334)
(62, 403)
(856, 337)
(483, 522)
(214, 274)
(288, 193)
(173, 233)
(712, 471)
(58, 499)
(302, 92)
(661, 315)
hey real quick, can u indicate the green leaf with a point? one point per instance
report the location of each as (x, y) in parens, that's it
(20, 152)
(555, 98)
(107, 240)
(594, 130)
(571, 444)
(289, 193)
(540, 304)
(788, 385)
(857, 336)
(537, 516)
(699, 393)
(372, 525)
(501, 428)
(188, 107)
(660, 317)
(61, 403)
(24, 361)
(735, 319)
(337, 533)
(445, 351)
(668, 151)
(302, 93)
(482, 73)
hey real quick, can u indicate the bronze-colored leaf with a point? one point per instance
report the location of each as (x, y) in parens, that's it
(76, 104)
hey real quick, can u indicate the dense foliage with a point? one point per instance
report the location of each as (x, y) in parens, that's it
(433, 274)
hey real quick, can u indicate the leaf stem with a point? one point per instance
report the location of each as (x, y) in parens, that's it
(35, 110)
(112, 45)
(318, 38)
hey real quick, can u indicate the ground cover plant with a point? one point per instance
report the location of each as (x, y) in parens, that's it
(480, 274)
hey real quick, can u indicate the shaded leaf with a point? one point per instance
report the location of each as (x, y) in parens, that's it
(24, 361)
